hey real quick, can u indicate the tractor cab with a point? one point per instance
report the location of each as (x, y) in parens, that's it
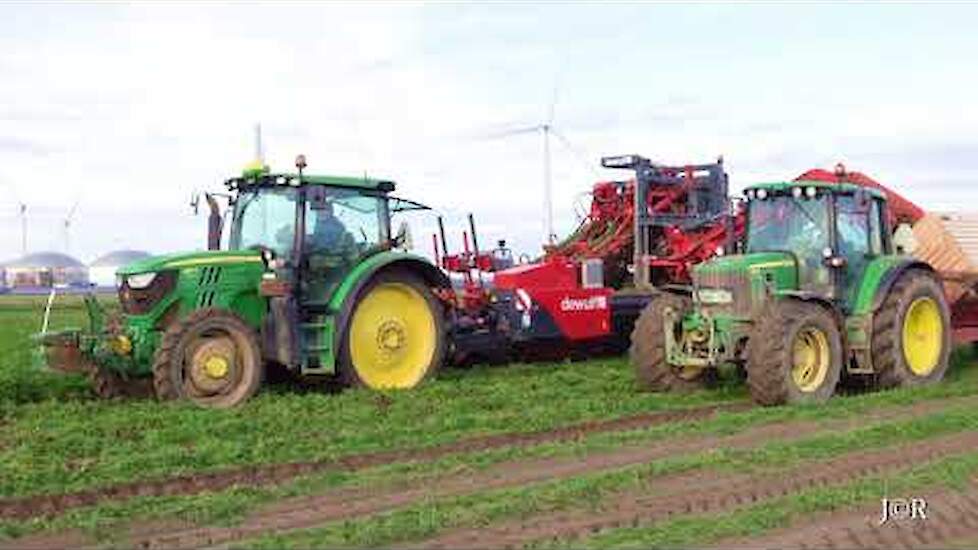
(827, 234)
(311, 230)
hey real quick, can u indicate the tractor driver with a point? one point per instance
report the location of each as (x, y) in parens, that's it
(329, 236)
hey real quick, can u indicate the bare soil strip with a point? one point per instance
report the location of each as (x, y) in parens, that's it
(705, 496)
(189, 484)
(305, 512)
(952, 521)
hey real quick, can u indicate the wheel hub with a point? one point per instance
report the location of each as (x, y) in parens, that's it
(211, 365)
(391, 336)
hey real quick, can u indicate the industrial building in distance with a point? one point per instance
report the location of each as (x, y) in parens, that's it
(41, 271)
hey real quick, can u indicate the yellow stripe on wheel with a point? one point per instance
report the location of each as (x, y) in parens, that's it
(392, 337)
(923, 336)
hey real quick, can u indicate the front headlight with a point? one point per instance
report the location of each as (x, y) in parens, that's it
(715, 296)
(140, 281)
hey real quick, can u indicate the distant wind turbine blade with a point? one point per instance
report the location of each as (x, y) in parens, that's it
(581, 157)
(553, 104)
(513, 132)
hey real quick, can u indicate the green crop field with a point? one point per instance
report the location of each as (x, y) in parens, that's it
(581, 480)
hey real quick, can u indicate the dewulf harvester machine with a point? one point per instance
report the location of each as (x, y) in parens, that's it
(582, 296)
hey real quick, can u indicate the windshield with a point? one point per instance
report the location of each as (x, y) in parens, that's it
(265, 216)
(782, 222)
(345, 223)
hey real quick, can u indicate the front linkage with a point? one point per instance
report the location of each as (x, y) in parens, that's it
(102, 352)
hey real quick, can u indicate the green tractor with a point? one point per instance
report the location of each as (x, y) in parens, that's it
(312, 282)
(815, 295)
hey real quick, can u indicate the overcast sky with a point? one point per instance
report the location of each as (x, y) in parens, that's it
(127, 109)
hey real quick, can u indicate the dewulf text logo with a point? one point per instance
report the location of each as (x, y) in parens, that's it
(584, 304)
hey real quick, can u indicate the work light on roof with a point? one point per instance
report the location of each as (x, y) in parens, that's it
(810, 192)
(796, 192)
(762, 194)
(280, 180)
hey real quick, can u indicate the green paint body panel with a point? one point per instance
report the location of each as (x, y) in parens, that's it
(221, 279)
(873, 277)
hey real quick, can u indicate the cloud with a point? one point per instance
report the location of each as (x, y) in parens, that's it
(130, 108)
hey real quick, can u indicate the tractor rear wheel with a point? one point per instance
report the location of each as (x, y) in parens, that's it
(395, 337)
(211, 358)
(794, 354)
(648, 348)
(911, 332)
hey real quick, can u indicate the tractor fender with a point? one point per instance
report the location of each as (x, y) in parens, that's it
(877, 283)
(345, 297)
(813, 298)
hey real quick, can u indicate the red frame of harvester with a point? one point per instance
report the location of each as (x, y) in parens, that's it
(547, 303)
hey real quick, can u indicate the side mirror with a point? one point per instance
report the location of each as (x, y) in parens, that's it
(903, 239)
(403, 239)
(195, 202)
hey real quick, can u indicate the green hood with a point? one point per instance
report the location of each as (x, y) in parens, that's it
(191, 259)
(780, 266)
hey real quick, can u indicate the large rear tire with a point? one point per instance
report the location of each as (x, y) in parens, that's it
(395, 337)
(794, 354)
(648, 348)
(211, 357)
(911, 332)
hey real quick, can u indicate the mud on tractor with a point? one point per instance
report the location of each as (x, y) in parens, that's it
(814, 294)
(313, 280)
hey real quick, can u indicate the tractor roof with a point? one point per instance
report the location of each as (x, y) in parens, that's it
(385, 186)
(786, 186)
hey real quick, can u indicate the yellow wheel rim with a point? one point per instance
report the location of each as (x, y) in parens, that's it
(923, 336)
(810, 359)
(216, 367)
(392, 337)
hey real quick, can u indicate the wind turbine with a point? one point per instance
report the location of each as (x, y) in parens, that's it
(546, 129)
(22, 212)
(67, 224)
(23, 229)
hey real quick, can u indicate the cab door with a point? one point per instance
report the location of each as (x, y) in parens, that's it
(858, 240)
(342, 227)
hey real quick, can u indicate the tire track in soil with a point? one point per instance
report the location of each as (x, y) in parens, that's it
(306, 512)
(952, 520)
(191, 484)
(719, 494)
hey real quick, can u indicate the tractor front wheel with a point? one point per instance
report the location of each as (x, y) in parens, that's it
(911, 332)
(395, 337)
(648, 348)
(794, 354)
(211, 358)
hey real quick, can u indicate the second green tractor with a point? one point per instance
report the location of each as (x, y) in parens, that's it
(815, 297)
